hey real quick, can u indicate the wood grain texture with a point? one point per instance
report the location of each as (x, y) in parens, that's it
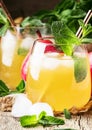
(78, 122)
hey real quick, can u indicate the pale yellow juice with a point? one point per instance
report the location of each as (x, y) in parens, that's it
(11, 75)
(13, 50)
(55, 82)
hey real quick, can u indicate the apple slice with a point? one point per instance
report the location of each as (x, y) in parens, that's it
(25, 66)
(90, 61)
(26, 60)
(52, 48)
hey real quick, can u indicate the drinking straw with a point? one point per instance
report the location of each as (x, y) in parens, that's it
(86, 20)
(7, 13)
(78, 34)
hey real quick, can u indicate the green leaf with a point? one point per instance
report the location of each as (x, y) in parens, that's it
(87, 40)
(80, 68)
(85, 4)
(4, 23)
(21, 87)
(64, 4)
(77, 13)
(50, 120)
(3, 29)
(67, 114)
(42, 115)
(22, 51)
(64, 37)
(3, 89)
(3, 17)
(28, 121)
(43, 119)
(87, 29)
(28, 21)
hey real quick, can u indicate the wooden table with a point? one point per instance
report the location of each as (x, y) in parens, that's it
(78, 122)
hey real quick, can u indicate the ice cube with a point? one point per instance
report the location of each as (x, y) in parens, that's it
(21, 106)
(8, 44)
(27, 42)
(37, 108)
(36, 59)
(55, 61)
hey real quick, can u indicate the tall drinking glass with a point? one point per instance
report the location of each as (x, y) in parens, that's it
(13, 48)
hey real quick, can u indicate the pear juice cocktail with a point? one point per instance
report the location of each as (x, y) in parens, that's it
(13, 49)
(60, 80)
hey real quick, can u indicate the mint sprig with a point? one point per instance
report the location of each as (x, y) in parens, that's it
(67, 114)
(28, 21)
(86, 30)
(4, 90)
(29, 121)
(42, 119)
(66, 39)
(22, 51)
(4, 23)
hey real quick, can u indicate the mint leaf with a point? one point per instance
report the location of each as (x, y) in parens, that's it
(50, 120)
(43, 119)
(3, 29)
(21, 87)
(64, 37)
(67, 114)
(65, 4)
(42, 115)
(80, 68)
(3, 18)
(3, 89)
(87, 29)
(4, 23)
(22, 51)
(28, 121)
(28, 21)
(87, 40)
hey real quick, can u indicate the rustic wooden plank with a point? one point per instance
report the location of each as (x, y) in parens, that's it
(78, 122)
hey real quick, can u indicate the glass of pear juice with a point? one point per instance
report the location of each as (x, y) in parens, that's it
(13, 48)
(53, 77)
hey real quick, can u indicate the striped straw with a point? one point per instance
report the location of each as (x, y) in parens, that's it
(86, 20)
(7, 13)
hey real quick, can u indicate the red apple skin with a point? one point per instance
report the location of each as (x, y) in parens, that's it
(46, 41)
(24, 67)
(90, 61)
(49, 48)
